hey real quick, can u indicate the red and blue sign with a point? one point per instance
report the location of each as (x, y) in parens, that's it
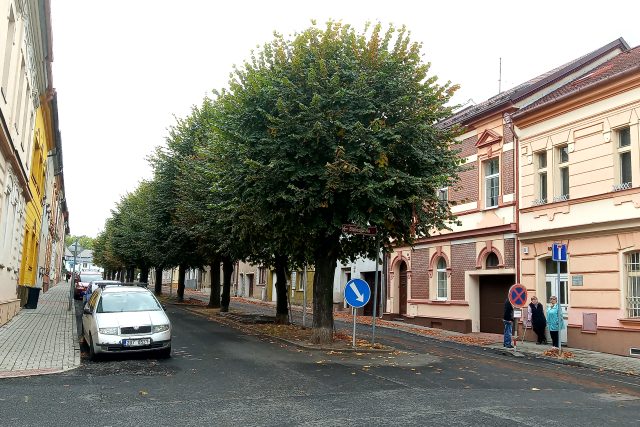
(559, 252)
(518, 295)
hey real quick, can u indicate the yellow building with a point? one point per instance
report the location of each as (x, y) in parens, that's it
(37, 174)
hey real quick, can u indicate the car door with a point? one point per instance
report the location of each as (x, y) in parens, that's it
(88, 320)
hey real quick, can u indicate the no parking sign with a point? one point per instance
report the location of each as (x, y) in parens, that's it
(518, 295)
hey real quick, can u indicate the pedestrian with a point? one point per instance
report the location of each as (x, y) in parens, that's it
(537, 320)
(554, 320)
(508, 323)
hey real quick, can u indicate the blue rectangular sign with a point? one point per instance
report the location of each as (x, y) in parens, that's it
(559, 252)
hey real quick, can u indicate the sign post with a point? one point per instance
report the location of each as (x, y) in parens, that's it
(357, 294)
(518, 298)
(368, 231)
(559, 254)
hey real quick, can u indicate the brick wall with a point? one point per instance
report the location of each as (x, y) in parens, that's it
(466, 189)
(463, 258)
(509, 253)
(468, 146)
(419, 274)
(508, 179)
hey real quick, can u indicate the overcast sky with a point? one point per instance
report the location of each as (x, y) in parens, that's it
(124, 68)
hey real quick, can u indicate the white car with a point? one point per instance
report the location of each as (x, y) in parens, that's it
(119, 319)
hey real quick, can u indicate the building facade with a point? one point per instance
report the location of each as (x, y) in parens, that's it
(580, 185)
(458, 279)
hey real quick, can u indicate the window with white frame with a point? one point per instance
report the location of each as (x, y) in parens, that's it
(442, 279)
(562, 161)
(491, 182)
(633, 284)
(541, 185)
(443, 195)
(624, 159)
(8, 52)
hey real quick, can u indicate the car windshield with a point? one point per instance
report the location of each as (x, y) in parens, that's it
(90, 277)
(127, 301)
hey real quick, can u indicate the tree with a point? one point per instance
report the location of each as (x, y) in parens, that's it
(334, 127)
(84, 241)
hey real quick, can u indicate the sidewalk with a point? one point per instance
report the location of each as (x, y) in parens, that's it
(43, 340)
(584, 358)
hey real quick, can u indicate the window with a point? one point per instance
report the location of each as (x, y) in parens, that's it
(492, 260)
(633, 284)
(442, 279)
(443, 195)
(541, 161)
(492, 182)
(262, 275)
(563, 174)
(8, 51)
(624, 159)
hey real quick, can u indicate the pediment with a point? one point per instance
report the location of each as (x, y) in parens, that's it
(488, 137)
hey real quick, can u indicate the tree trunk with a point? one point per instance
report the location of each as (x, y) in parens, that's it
(130, 273)
(214, 301)
(282, 306)
(144, 274)
(182, 270)
(325, 264)
(227, 270)
(158, 284)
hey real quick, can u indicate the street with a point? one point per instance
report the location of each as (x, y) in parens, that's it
(219, 375)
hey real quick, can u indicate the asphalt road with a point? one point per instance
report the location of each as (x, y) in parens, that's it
(221, 376)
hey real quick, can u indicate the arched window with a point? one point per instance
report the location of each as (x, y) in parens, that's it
(442, 279)
(492, 260)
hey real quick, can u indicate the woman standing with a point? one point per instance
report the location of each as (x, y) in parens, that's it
(537, 320)
(554, 320)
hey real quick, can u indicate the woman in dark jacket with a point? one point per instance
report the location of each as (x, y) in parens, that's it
(538, 321)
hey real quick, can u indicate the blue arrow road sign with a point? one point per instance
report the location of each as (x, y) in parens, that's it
(559, 252)
(357, 293)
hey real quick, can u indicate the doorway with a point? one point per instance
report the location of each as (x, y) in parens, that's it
(402, 288)
(494, 291)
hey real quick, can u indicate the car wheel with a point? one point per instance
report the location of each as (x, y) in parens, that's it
(93, 356)
(165, 353)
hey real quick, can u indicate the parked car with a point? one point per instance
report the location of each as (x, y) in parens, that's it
(119, 319)
(99, 284)
(82, 281)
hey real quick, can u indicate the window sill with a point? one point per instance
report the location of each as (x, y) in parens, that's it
(630, 320)
(438, 302)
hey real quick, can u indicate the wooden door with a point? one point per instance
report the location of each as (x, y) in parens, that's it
(402, 288)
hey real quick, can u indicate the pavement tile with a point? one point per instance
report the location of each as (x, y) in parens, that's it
(42, 340)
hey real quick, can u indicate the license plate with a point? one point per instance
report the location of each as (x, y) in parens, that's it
(136, 343)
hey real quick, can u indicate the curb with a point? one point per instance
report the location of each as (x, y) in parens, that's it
(558, 361)
(34, 372)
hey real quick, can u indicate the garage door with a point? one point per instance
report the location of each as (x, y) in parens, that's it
(493, 293)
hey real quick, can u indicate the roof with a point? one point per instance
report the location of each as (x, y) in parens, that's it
(509, 97)
(120, 289)
(618, 66)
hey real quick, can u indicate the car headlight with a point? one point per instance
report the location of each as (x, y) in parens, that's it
(109, 331)
(160, 328)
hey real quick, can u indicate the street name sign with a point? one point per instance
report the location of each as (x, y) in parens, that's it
(356, 229)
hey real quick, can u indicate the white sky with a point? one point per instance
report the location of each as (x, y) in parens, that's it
(124, 68)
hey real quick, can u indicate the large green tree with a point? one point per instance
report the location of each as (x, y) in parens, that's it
(331, 127)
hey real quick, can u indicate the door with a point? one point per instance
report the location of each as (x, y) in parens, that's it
(494, 290)
(250, 280)
(561, 290)
(402, 288)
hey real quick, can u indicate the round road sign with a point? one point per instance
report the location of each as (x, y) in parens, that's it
(518, 295)
(357, 293)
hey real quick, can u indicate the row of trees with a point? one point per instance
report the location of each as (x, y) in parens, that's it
(331, 126)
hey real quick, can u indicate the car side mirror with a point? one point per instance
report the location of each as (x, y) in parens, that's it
(87, 310)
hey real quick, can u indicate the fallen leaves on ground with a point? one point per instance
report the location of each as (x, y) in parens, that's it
(554, 352)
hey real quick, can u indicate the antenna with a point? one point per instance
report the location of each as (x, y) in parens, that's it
(500, 77)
